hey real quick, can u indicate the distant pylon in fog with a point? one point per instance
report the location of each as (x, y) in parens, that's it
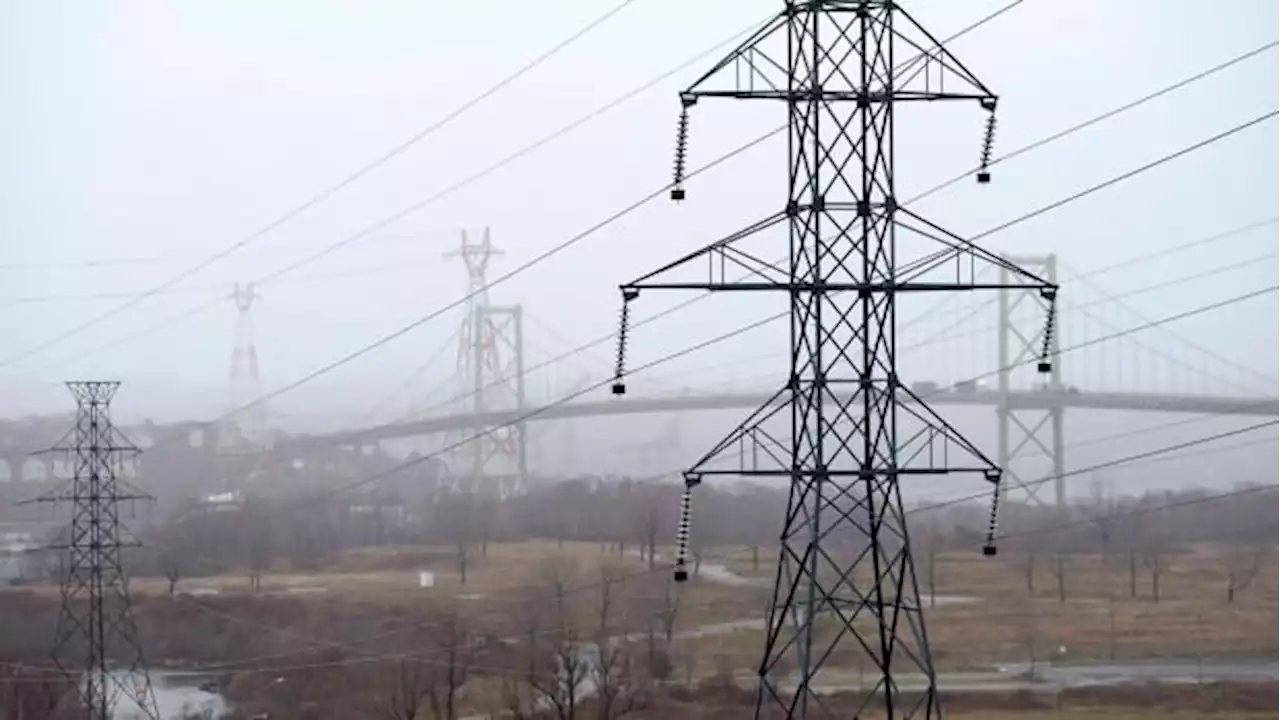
(490, 366)
(246, 427)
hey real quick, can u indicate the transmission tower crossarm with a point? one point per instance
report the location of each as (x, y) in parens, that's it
(713, 263)
(750, 62)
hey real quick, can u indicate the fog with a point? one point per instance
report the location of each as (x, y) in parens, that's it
(158, 155)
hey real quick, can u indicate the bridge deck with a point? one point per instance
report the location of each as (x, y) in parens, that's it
(1023, 399)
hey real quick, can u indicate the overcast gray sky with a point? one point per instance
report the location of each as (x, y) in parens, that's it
(170, 130)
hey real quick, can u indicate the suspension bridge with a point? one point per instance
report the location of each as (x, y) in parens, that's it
(1112, 357)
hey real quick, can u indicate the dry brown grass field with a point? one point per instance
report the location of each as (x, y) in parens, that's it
(1003, 622)
(1098, 620)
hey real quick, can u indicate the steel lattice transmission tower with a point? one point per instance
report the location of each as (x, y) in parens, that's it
(246, 427)
(1037, 428)
(490, 366)
(96, 641)
(843, 430)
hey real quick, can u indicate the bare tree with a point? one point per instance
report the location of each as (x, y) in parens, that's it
(616, 685)
(1029, 568)
(463, 556)
(451, 641)
(518, 702)
(1104, 525)
(1243, 563)
(556, 665)
(258, 545)
(404, 690)
(689, 659)
(670, 608)
(1246, 542)
(928, 545)
(27, 693)
(649, 521)
(1030, 635)
(1153, 547)
(455, 517)
(172, 571)
(1155, 561)
(1060, 572)
(658, 610)
(1133, 572)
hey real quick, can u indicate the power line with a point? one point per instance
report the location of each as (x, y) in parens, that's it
(512, 158)
(1032, 146)
(1110, 463)
(1215, 238)
(573, 240)
(112, 262)
(1104, 116)
(524, 417)
(397, 391)
(1202, 500)
(534, 412)
(1271, 380)
(1108, 298)
(458, 185)
(322, 195)
(1078, 346)
(1137, 459)
(1125, 176)
(1125, 460)
(934, 339)
(221, 288)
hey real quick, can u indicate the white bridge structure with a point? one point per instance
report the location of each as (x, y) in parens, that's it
(1108, 357)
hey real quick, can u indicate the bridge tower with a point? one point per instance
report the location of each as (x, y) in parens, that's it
(246, 428)
(490, 369)
(1020, 429)
(843, 430)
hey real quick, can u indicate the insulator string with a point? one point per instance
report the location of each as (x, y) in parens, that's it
(624, 327)
(682, 534)
(682, 143)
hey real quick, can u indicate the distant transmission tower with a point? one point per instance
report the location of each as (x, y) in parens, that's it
(96, 641)
(845, 428)
(246, 428)
(490, 366)
(1039, 427)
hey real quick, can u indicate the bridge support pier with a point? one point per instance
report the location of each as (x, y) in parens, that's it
(1023, 433)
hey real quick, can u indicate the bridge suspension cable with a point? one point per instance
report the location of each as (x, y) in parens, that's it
(1270, 379)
